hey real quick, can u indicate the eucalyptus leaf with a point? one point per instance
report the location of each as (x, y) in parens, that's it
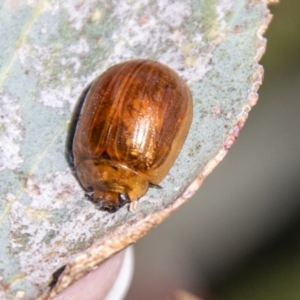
(51, 51)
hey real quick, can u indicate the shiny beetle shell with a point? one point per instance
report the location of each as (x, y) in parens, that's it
(132, 125)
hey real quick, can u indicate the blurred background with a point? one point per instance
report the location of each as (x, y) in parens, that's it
(239, 236)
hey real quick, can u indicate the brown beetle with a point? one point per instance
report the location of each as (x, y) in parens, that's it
(132, 124)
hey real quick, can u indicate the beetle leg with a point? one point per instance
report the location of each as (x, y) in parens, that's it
(133, 206)
(89, 192)
(109, 208)
(99, 205)
(123, 199)
(156, 186)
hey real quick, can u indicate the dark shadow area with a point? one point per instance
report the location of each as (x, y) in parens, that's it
(72, 127)
(271, 273)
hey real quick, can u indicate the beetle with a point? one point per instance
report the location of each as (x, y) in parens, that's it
(132, 124)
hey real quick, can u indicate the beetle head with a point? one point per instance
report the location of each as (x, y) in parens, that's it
(110, 184)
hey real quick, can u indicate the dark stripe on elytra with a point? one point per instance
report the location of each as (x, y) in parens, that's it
(92, 132)
(163, 109)
(142, 93)
(166, 113)
(121, 125)
(178, 108)
(156, 73)
(102, 139)
(117, 102)
(160, 112)
(128, 93)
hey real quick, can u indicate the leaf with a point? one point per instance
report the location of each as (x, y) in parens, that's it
(50, 52)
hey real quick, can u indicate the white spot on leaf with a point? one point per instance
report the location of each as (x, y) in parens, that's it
(10, 133)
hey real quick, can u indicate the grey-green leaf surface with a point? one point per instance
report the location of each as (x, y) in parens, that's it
(50, 51)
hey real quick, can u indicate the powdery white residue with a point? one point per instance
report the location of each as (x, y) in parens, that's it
(147, 31)
(56, 97)
(62, 83)
(81, 46)
(37, 58)
(160, 36)
(48, 240)
(79, 83)
(10, 133)
(28, 55)
(222, 9)
(53, 97)
(32, 3)
(78, 12)
(175, 13)
(58, 186)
